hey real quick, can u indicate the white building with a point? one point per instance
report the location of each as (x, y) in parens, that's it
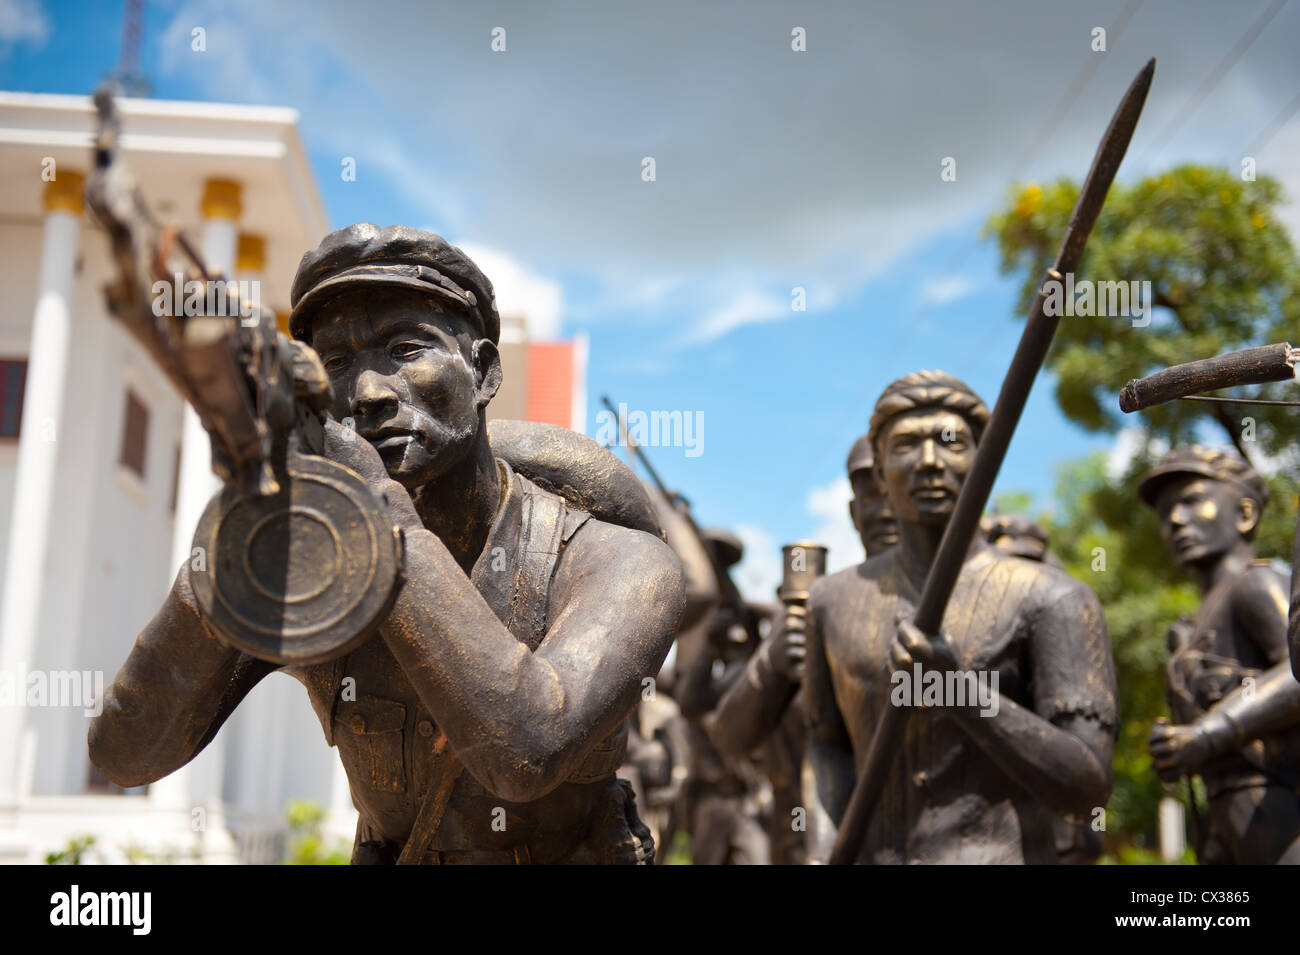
(103, 472)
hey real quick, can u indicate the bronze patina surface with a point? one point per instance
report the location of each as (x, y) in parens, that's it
(1234, 704)
(485, 719)
(971, 784)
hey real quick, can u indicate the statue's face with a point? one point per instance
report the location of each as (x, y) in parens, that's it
(925, 456)
(872, 514)
(411, 377)
(1200, 519)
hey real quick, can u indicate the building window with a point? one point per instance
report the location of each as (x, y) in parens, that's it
(13, 379)
(135, 434)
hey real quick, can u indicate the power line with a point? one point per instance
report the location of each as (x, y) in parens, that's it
(912, 326)
(1272, 129)
(1217, 74)
(1074, 91)
(1072, 94)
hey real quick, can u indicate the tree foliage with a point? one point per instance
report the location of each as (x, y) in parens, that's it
(1224, 275)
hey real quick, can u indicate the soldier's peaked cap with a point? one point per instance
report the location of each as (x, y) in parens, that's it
(395, 256)
(1192, 459)
(861, 457)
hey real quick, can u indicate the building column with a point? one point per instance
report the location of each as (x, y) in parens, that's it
(257, 730)
(197, 785)
(221, 209)
(26, 580)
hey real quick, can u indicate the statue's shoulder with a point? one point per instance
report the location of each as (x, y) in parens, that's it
(861, 579)
(1042, 584)
(1261, 581)
(571, 466)
(551, 522)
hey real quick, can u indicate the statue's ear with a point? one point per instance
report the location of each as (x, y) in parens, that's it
(1247, 515)
(487, 369)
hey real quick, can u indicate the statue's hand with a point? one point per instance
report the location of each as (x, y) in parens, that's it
(788, 646)
(344, 446)
(912, 646)
(1178, 750)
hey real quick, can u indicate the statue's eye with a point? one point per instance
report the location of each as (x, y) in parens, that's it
(335, 363)
(405, 351)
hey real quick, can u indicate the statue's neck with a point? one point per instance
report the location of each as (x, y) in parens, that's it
(460, 505)
(1212, 572)
(917, 546)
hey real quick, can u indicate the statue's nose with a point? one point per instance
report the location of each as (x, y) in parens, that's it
(373, 393)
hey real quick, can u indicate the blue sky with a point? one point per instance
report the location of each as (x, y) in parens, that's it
(775, 169)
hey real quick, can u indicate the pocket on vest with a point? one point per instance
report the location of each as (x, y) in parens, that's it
(373, 735)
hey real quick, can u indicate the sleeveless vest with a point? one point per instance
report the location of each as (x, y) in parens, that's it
(536, 526)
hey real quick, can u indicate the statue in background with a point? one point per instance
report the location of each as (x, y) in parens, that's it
(1234, 703)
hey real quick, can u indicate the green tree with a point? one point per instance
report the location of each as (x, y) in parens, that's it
(1223, 275)
(307, 844)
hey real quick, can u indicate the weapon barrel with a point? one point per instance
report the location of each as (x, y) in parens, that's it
(1249, 366)
(640, 455)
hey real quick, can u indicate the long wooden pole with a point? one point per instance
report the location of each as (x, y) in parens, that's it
(962, 526)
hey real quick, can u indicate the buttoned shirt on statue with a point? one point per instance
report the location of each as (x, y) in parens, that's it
(945, 801)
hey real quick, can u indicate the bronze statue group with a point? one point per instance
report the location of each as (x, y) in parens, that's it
(511, 706)
(1027, 781)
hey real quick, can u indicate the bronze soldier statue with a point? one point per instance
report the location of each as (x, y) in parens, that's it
(976, 781)
(726, 797)
(1234, 703)
(1077, 841)
(869, 508)
(1018, 536)
(767, 700)
(484, 722)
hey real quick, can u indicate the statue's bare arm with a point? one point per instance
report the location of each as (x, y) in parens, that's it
(176, 688)
(1272, 703)
(522, 721)
(830, 749)
(752, 707)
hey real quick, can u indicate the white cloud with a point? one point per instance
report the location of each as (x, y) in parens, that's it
(1277, 160)
(519, 291)
(22, 21)
(748, 308)
(762, 183)
(946, 289)
(228, 66)
(829, 503)
(759, 573)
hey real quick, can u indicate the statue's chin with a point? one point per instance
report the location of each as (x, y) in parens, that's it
(419, 464)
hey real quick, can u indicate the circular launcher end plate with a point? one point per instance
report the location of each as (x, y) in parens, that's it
(301, 576)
